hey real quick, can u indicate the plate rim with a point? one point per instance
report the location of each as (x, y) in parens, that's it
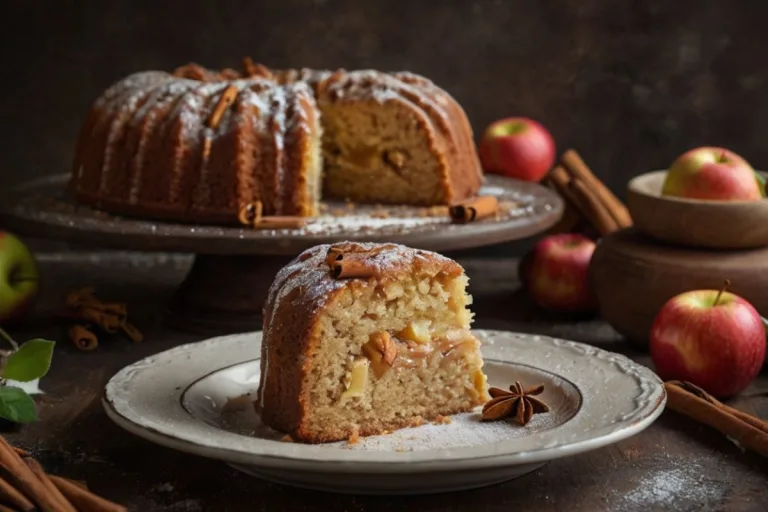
(356, 460)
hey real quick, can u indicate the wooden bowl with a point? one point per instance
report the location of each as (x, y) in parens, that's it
(694, 222)
(633, 275)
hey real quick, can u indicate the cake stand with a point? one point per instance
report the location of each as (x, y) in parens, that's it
(225, 288)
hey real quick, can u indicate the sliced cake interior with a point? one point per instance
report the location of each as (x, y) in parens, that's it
(375, 353)
(387, 141)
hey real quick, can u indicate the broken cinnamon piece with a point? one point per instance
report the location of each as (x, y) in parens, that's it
(578, 169)
(744, 433)
(351, 265)
(595, 211)
(227, 97)
(21, 476)
(132, 332)
(82, 338)
(278, 222)
(11, 496)
(478, 208)
(82, 498)
(109, 323)
(250, 213)
(39, 472)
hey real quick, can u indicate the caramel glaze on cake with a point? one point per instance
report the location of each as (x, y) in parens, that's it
(198, 145)
(322, 377)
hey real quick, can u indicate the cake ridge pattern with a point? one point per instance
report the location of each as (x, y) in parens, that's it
(146, 147)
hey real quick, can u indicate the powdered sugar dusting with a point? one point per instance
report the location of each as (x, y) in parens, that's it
(683, 483)
(525, 208)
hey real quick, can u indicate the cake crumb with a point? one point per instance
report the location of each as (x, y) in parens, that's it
(237, 404)
(354, 437)
(287, 439)
(442, 420)
(434, 211)
(380, 214)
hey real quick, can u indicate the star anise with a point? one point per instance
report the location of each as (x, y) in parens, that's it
(518, 402)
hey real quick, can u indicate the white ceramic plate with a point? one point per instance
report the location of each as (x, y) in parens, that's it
(195, 398)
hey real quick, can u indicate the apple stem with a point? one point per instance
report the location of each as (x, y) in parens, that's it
(7, 337)
(722, 157)
(726, 284)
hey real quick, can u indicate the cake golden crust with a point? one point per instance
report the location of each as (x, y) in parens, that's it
(197, 145)
(296, 321)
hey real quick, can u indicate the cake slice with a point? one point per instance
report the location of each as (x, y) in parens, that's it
(361, 339)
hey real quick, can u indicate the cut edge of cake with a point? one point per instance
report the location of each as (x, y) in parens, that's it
(369, 355)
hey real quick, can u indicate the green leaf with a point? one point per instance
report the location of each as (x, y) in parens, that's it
(30, 362)
(762, 182)
(16, 405)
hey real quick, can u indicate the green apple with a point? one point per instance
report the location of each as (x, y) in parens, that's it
(19, 278)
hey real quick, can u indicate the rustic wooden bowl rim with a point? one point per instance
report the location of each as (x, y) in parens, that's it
(640, 185)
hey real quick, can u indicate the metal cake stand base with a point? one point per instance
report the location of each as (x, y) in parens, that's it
(225, 289)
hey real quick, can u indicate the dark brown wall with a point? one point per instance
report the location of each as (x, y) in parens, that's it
(629, 84)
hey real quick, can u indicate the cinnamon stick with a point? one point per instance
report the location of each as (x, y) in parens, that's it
(9, 494)
(250, 213)
(3, 508)
(475, 209)
(595, 210)
(132, 332)
(37, 469)
(25, 480)
(21, 452)
(561, 183)
(743, 416)
(352, 265)
(744, 433)
(278, 222)
(109, 323)
(333, 254)
(82, 337)
(578, 169)
(227, 97)
(83, 499)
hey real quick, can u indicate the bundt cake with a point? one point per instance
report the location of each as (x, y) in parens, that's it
(364, 338)
(198, 145)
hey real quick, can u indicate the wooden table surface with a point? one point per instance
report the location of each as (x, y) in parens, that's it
(676, 464)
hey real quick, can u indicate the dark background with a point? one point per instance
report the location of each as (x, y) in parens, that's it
(629, 84)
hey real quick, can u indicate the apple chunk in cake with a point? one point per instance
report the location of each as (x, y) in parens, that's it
(382, 346)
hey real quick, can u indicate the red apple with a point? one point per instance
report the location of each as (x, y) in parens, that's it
(18, 278)
(714, 174)
(714, 339)
(557, 273)
(517, 147)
